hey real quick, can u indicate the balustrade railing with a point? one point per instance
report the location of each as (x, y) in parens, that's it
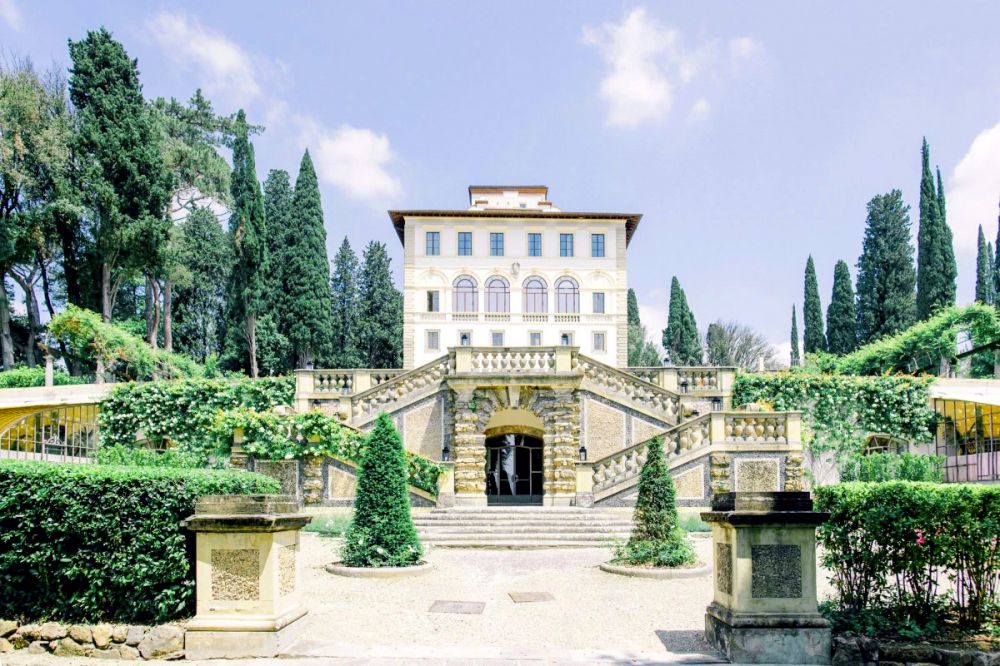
(341, 382)
(693, 379)
(758, 427)
(656, 398)
(512, 359)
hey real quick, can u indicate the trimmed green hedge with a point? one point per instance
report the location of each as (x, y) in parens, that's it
(24, 377)
(890, 546)
(877, 467)
(90, 543)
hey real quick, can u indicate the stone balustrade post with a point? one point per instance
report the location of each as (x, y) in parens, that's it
(793, 427)
(446, 485)
(764, 607)
(463, 359)
(237, 456)
(564, 359)
(584, 485)
(362, 380)
(717, 427)
(247, 583)
(305, 386)
(668, 379)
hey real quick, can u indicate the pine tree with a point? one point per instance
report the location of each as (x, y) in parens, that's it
(886, 276)
(125, 182)
(680, 337)
(381, 533)
(841, 319)
(984, 277)
(812, 313)
(248, 231)
(657, 539)
(936, 268)
(344, 286)
(306, 272)
(380, 315)
(796, 358)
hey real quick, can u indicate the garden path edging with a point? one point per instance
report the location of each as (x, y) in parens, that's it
(378, 572)
(651, 572)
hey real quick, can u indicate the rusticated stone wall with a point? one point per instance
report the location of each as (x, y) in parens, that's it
(471, 411)
(559, 409)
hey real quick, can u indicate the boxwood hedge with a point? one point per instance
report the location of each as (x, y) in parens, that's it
(90, 543)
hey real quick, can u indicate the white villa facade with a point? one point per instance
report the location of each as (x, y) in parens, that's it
(513, 270)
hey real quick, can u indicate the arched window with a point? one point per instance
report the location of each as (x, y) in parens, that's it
(466, 294)
(497, 295)
(567, 295)
(536, 295)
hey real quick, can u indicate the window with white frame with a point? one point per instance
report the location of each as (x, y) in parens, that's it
(433, 243)
(497, 295)
(534, 245)
(465, 243)
(600, 342)
(536, 295)
(496, 244)
(567, 295)
(466, 294)
(465, 338)
(535, 338)
(434, 301)
(497, 338)
(433, 339)
(566, 339)
(598, 302)
(597, 245)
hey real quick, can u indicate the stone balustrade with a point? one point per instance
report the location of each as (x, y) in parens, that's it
(405, 385)
(502, 360)
(702, 380)
(660, 401)
(757, 427)
(329, 383)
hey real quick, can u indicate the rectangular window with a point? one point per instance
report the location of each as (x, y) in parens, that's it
(434, 301)
(465, 243)
(598, 302)
(536, 338)
(566, 339)
(599, 344)
(597, 245)
(465, 338)
(496, 244)
(497, 338)
(433, 243)
(565, 245)
(534, 245)
(433, 339)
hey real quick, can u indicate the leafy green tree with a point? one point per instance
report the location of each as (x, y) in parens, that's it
(841, 319)
(886, 276)
(936, 268)
(812, 313)
(641, 351)
(380, 314)
(730, 343)
(984, 273)
(344, 287)
(657, 539)
(381, 533)
(203, 257)
(717, 345)
(248, 232)
(306, 272)
(796, 358)
(680, 337)
(117, 146)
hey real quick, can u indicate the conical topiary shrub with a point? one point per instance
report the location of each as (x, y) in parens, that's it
(382, 533)
(657, 540)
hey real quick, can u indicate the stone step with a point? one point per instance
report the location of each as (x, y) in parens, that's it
(554, 531)
(540, 536)
(516, 544)
(531, 521)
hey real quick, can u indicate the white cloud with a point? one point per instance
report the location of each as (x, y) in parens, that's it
(699, 111)
(648, 64)
(10, 14)
(972, 194)
(223, 68)
(353, 159)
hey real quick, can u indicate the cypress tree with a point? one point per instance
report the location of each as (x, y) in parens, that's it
(717, 345)
(248, 232)
(996, 263)
(984, 276)
(841, 319)
(886, 276)
(380, 315)
(381, 533)
(278, 216)
(641, 352)
(344, 286)
(812, 312)
(633, 308)
(936, 268)
(306, 272)
(796, 359)
(680, 337)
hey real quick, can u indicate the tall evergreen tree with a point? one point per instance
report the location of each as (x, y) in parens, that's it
(306, 271)
(380, 315)
(278, 217)
(996, 264)
(984, 276)
(812, 312)
(886, 276)
(248, 232)
(203, 258)
(344, 287)
(117, 145)
(841, 319)
(633, 308)
(680, 337)
(641, 352)
(717, 345)
(796, 358)
(936, 268)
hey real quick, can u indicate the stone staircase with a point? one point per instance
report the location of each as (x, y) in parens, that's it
(521, 527)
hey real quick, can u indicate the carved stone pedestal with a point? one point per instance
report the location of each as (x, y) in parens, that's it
(764, 608)
(248, 599)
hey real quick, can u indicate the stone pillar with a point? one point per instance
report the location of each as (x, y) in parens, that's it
(562, 443)
(446, 485)
(248, 598)
(764, 607)
(237, 456)
(468, 451)
(584, 485)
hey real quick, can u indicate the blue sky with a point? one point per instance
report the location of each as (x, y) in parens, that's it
(748, 134)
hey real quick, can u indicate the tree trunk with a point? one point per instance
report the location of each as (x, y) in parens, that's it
(251, 331)
(106, 292)
(168, 314)
(27, 285)
(71, 363)
(152, 311)
(996, 363)
(6, 341)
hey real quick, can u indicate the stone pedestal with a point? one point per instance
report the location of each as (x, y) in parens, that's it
(764, 607)
(446, 485)
(584, 485)
(248, 599)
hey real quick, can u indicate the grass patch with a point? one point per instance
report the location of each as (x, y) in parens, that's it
(329, 524)
(692, 522)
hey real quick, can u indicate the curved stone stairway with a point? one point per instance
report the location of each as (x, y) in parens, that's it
(522, 527)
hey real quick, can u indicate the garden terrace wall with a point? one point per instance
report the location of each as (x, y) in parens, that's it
(97, 543)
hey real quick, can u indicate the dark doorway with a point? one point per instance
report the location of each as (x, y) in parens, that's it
(514, 470)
